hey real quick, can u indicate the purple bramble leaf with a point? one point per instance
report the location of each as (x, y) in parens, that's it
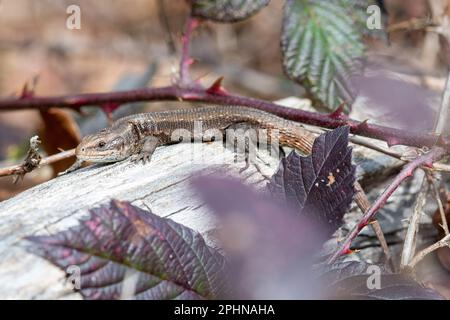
(319, 186)
(169, 260)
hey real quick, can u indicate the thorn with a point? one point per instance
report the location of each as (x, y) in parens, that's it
(26, 93)
(351, 251)
(18, 177)
(392, 141)
(217, 88)
(108, 109)
(191, 61)
(339, 112)
(363, 125)
(362, 225)
(28, 90)
(428, 164)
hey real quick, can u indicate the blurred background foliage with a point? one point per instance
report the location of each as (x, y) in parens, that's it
(123, 45)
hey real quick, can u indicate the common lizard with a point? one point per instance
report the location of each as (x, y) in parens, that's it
(137, 136)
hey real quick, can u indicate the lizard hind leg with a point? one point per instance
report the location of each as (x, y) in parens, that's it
(146, 151)
(243, 141)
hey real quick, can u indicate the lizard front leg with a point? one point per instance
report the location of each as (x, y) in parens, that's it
(243, 141)
(77, 165)
(146, 150)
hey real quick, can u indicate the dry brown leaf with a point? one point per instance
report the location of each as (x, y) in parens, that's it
(59, 132)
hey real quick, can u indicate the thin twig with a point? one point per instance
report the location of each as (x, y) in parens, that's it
(427, 159)
(441, 167)
(364, 204)
(363, 142)
(391, 135)
(409, 245)
(392, 153)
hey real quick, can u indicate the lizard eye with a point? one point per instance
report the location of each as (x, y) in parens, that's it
(101, 144)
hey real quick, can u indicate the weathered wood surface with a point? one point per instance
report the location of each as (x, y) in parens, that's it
(162, 186)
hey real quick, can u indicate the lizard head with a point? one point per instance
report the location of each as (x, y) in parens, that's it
(104, 146)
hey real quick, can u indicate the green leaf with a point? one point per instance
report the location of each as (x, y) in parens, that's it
(227, 10)
(322, 47)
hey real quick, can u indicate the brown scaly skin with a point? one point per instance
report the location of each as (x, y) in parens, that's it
(137, 136)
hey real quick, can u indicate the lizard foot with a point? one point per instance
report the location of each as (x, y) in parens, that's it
(144, 157)
(77, 165)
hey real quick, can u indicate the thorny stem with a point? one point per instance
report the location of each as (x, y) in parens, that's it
(175, 93)
(19, 169)
(427, 160)
(444, 242)
(186, 59)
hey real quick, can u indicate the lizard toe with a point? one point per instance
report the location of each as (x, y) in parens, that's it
(135, 158)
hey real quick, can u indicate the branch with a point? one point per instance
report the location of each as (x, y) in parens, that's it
(21, 169)
(175, 93)
(425, 160)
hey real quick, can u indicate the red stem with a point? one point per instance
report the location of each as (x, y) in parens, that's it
(391, 135)
(425, 160)
(186, 59)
